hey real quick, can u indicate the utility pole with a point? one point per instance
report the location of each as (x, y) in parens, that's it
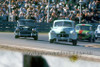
(80, 2)
(48, 12)
(9, 18)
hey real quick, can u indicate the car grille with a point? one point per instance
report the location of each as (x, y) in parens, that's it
(25, 32)
(26, 29)
(29, 29)
(98, 34)
(62, 35)
(83, 35)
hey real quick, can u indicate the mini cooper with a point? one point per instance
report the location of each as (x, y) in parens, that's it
(26, 28)
(63, 30)
(97, 32)
(85, 32)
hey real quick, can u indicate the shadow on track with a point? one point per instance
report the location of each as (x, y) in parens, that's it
(85, 42)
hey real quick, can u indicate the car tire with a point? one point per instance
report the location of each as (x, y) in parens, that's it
(36, 38)
(90, 39)
(51, 40)
(94, 39)
(16, 36)
(74, 42)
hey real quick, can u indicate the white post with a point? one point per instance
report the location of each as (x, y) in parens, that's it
(48, 12)
(80, 11)
(9, 19)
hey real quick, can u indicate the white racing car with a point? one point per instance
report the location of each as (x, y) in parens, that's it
(63, 30)
(97, 32)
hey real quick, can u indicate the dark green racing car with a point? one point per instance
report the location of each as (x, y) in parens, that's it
(85, 32)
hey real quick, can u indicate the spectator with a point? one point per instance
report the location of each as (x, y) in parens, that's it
(37, 10)
(90, 7)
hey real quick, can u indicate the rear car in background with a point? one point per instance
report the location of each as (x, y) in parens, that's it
(26, 28)
(97, 32)
(85, 32)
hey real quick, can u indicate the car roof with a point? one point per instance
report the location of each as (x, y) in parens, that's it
(83, 25)
(63, 20)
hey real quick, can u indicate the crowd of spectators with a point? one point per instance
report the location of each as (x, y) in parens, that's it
(37, 10)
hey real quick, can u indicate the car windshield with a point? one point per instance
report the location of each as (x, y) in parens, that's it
(63, 23)
(83, 28)
(26, 23)
(98, 27)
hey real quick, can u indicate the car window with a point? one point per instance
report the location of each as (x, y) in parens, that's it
(65, 24)
(58, 24)
(98, 27)
(85, 28)
(68, 24)
(26, 23)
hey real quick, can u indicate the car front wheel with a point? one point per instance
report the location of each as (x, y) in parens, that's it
(94, 39)
(36, 38)
(16, 36)
(74, 42)
(51, 40)
(91, 40)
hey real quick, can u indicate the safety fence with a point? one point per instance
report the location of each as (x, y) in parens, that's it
(10, 26)
(41, 27)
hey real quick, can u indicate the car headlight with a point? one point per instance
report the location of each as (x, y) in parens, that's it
(33, 29)
(87, 33)
(73, 32)
(52, 32)
(17, 29)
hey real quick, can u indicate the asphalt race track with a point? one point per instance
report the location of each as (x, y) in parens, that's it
(42, 42)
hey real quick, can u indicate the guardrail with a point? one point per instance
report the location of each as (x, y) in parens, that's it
(10, 26)
(43, 27)
(7, 26)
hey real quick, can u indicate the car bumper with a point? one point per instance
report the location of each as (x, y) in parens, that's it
(84, 37)
(64, 39)
(26, 35)
(97, 36)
